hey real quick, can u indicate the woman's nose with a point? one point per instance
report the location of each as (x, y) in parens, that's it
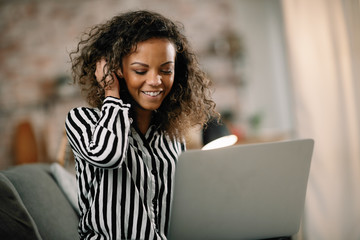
(155, 79)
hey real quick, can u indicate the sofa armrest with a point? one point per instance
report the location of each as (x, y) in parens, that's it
(52, 213)
(15, 221)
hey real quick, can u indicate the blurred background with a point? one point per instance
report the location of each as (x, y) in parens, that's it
(281, 69)
(240, 45)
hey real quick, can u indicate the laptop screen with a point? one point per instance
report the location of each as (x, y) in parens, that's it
(251, 191)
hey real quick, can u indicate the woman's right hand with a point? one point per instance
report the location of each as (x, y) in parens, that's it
(111, 90)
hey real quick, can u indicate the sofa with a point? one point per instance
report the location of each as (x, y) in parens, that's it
(38, 201)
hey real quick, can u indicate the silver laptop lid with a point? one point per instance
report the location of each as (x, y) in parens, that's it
(251, 191)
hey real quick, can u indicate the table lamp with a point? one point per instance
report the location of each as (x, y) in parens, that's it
(216, 135)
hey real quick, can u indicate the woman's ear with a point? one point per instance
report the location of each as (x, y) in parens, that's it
(119, 73)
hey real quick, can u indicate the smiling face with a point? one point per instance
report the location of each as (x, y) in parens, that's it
(149, 73)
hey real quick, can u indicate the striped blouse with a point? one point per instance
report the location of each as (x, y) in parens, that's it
(124, 178)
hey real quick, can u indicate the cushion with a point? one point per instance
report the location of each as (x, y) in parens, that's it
(51, 211)
(15, 221)
(67, 183)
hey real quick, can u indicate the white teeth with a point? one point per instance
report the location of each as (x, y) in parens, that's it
(152, 94)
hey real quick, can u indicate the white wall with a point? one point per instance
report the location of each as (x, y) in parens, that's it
(266, 71)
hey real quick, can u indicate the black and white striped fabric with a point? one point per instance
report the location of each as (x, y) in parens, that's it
(124, 178)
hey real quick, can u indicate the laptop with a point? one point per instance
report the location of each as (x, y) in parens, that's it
(254, 191)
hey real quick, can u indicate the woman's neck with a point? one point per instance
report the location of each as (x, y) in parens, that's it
(143, 119)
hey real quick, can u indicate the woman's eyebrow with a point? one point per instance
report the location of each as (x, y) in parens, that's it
(167, 63)
(146, 65)
(140, 63)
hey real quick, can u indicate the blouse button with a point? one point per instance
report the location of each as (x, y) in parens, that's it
(154, 172)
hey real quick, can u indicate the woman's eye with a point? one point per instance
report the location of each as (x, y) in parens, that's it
(139, 72)
(170, 71)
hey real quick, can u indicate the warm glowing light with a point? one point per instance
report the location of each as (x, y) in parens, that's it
(221, 142)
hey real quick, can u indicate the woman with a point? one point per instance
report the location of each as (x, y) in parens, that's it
(145, 90)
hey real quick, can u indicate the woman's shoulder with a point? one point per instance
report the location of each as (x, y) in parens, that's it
(175, 141)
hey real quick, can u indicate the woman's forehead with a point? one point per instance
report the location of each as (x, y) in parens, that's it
(159, 48)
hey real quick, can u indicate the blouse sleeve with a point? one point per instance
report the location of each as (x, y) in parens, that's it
(101, 140)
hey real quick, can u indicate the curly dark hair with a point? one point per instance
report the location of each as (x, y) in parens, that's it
(189, 102)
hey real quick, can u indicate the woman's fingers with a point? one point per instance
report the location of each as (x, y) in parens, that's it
(111, 83)
(113, 89)
(100, 70)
